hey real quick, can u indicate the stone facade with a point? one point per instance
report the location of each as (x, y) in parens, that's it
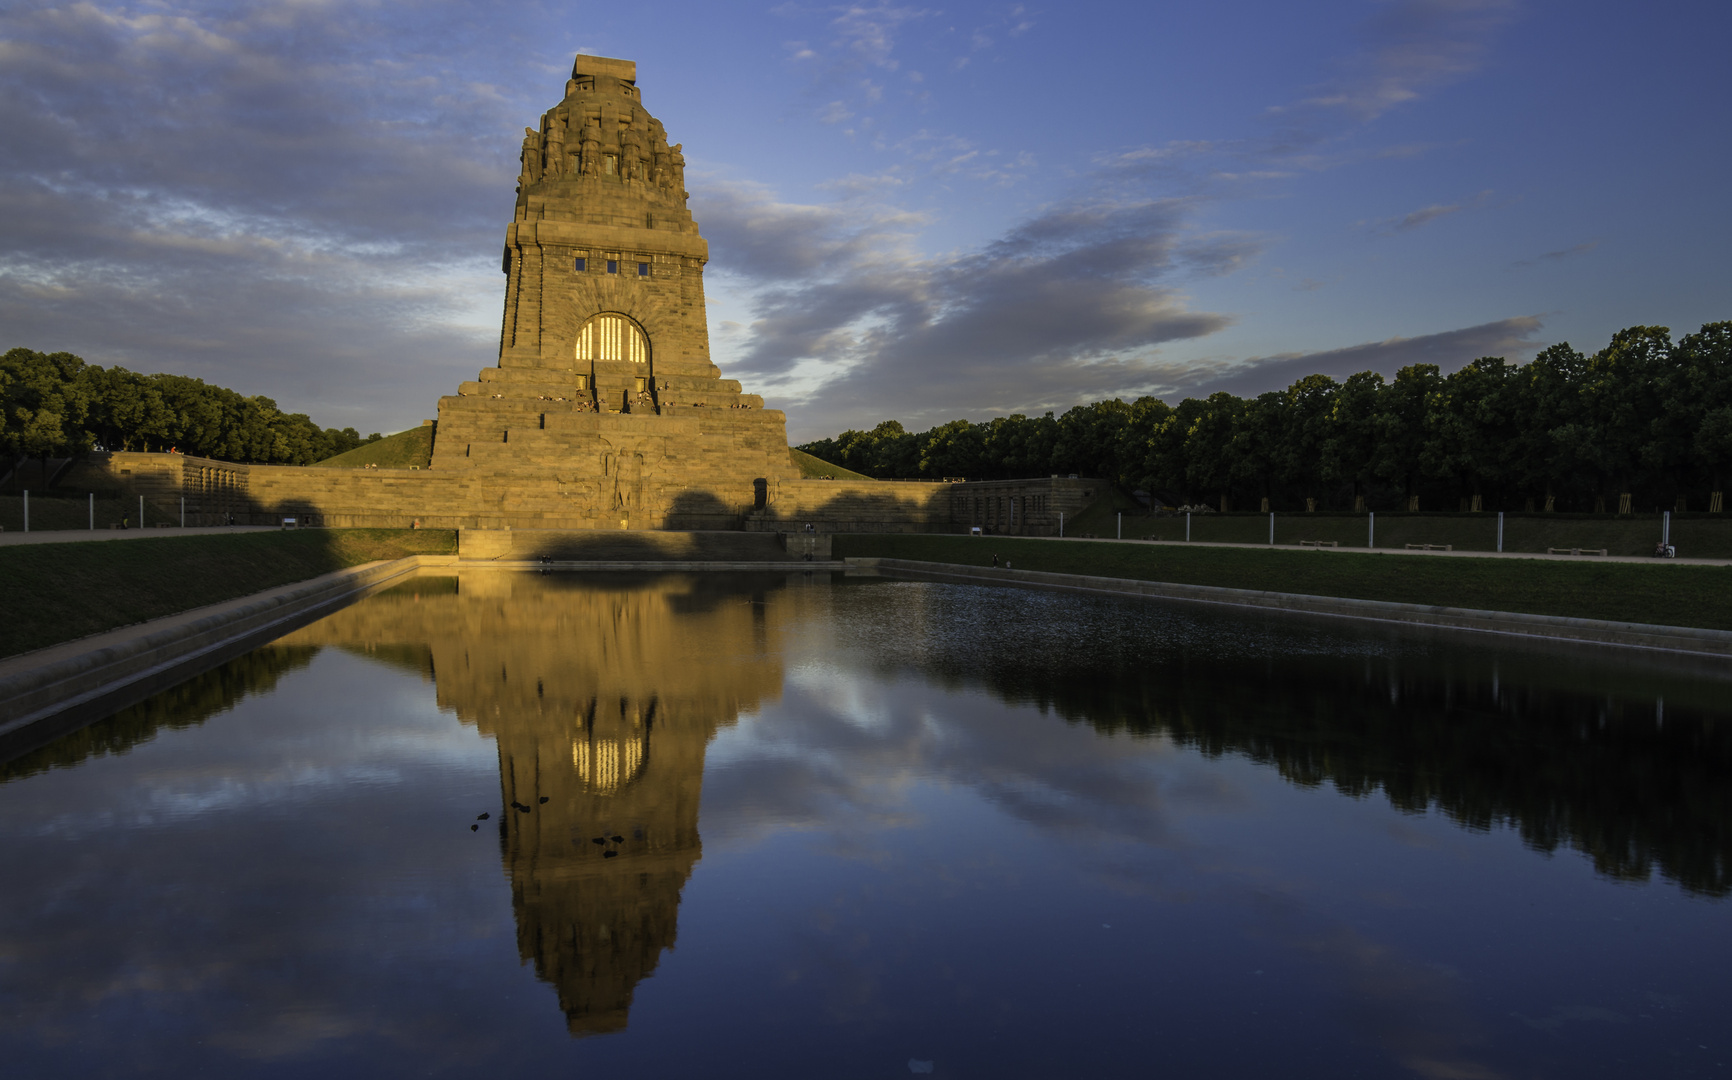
(604, 385)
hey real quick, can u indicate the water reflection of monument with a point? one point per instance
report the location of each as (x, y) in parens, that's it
(602, 702)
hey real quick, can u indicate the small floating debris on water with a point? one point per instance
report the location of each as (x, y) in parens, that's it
(619, 839)
(474, 828)
(609, 854)
(542, 799)
(482, 817)
(599, 840)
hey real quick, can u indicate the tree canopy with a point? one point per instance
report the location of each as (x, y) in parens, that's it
(56, 405)
(1645, 416)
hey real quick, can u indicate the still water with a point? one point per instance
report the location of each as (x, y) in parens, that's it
(813, 826)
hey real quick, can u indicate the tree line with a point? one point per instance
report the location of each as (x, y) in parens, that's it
(1645, 417)
(56, 405)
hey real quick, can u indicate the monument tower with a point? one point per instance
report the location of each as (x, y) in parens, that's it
(605, 410)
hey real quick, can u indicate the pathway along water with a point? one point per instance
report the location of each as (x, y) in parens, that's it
(1011, 833)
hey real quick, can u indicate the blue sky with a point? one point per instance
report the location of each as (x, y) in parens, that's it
(918, 212)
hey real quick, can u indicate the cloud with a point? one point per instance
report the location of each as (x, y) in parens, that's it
(1572, 252)
(244, 196)
(1425, 215)
(1066, 306)
(1409, 47)
(1449, 350)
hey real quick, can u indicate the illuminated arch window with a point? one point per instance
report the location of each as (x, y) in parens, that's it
(612, 337)
(608, 754)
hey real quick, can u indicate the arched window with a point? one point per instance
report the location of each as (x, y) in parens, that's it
(612, 337)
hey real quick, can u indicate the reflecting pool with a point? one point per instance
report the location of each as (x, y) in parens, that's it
(824, 826)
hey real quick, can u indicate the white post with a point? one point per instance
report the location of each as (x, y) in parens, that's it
(1121, 524)
(1500, 532)
(93, 511)
(1371, 531)
(1271, 528)
(141, 511)
(1061, 523)
(1187, 526)
(183, 511)
(1666, 529)
(27, 511)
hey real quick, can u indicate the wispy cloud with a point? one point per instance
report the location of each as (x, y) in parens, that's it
(1449, 350)
(1575, 251)
(1408, 48)
(1425, 215)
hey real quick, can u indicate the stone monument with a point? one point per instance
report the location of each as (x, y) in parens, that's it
(604, 388)
(604, 411)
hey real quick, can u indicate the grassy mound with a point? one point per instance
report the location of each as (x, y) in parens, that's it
(812, 468)
(405, 450)
(57, 592)
(1660, 592)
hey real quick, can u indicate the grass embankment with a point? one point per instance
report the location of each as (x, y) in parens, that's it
(57, 592)
(814, 468)
(412, 449)
(1667, 594)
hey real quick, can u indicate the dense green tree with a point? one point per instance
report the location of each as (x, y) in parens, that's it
(54, 404)
(1406, 439)
(1208, 458)
(1476, 424)
(1642, 416)
(1309, 406)
(1694, 432)
(43, 404)
(1349, 451)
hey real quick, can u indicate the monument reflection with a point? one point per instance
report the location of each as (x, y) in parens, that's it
(602, 700)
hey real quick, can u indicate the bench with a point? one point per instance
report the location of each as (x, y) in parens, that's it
(1319, 543)
(1431, 547)
(1575, 551)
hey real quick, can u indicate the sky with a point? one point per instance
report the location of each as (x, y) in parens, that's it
(914, 212)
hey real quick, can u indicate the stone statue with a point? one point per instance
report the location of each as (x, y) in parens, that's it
(555, 146)
(531, 155)
(592, 147)
(677, 169)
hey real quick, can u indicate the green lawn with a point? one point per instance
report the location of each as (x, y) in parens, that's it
(404, 450)
(814, 468)
(1659, 592)
(56, 592)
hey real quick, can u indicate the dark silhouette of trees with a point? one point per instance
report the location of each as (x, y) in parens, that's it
(1644, 417)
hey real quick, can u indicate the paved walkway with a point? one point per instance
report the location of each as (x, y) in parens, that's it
(82, 536)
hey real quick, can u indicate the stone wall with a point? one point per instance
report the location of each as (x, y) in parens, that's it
(626, 489)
